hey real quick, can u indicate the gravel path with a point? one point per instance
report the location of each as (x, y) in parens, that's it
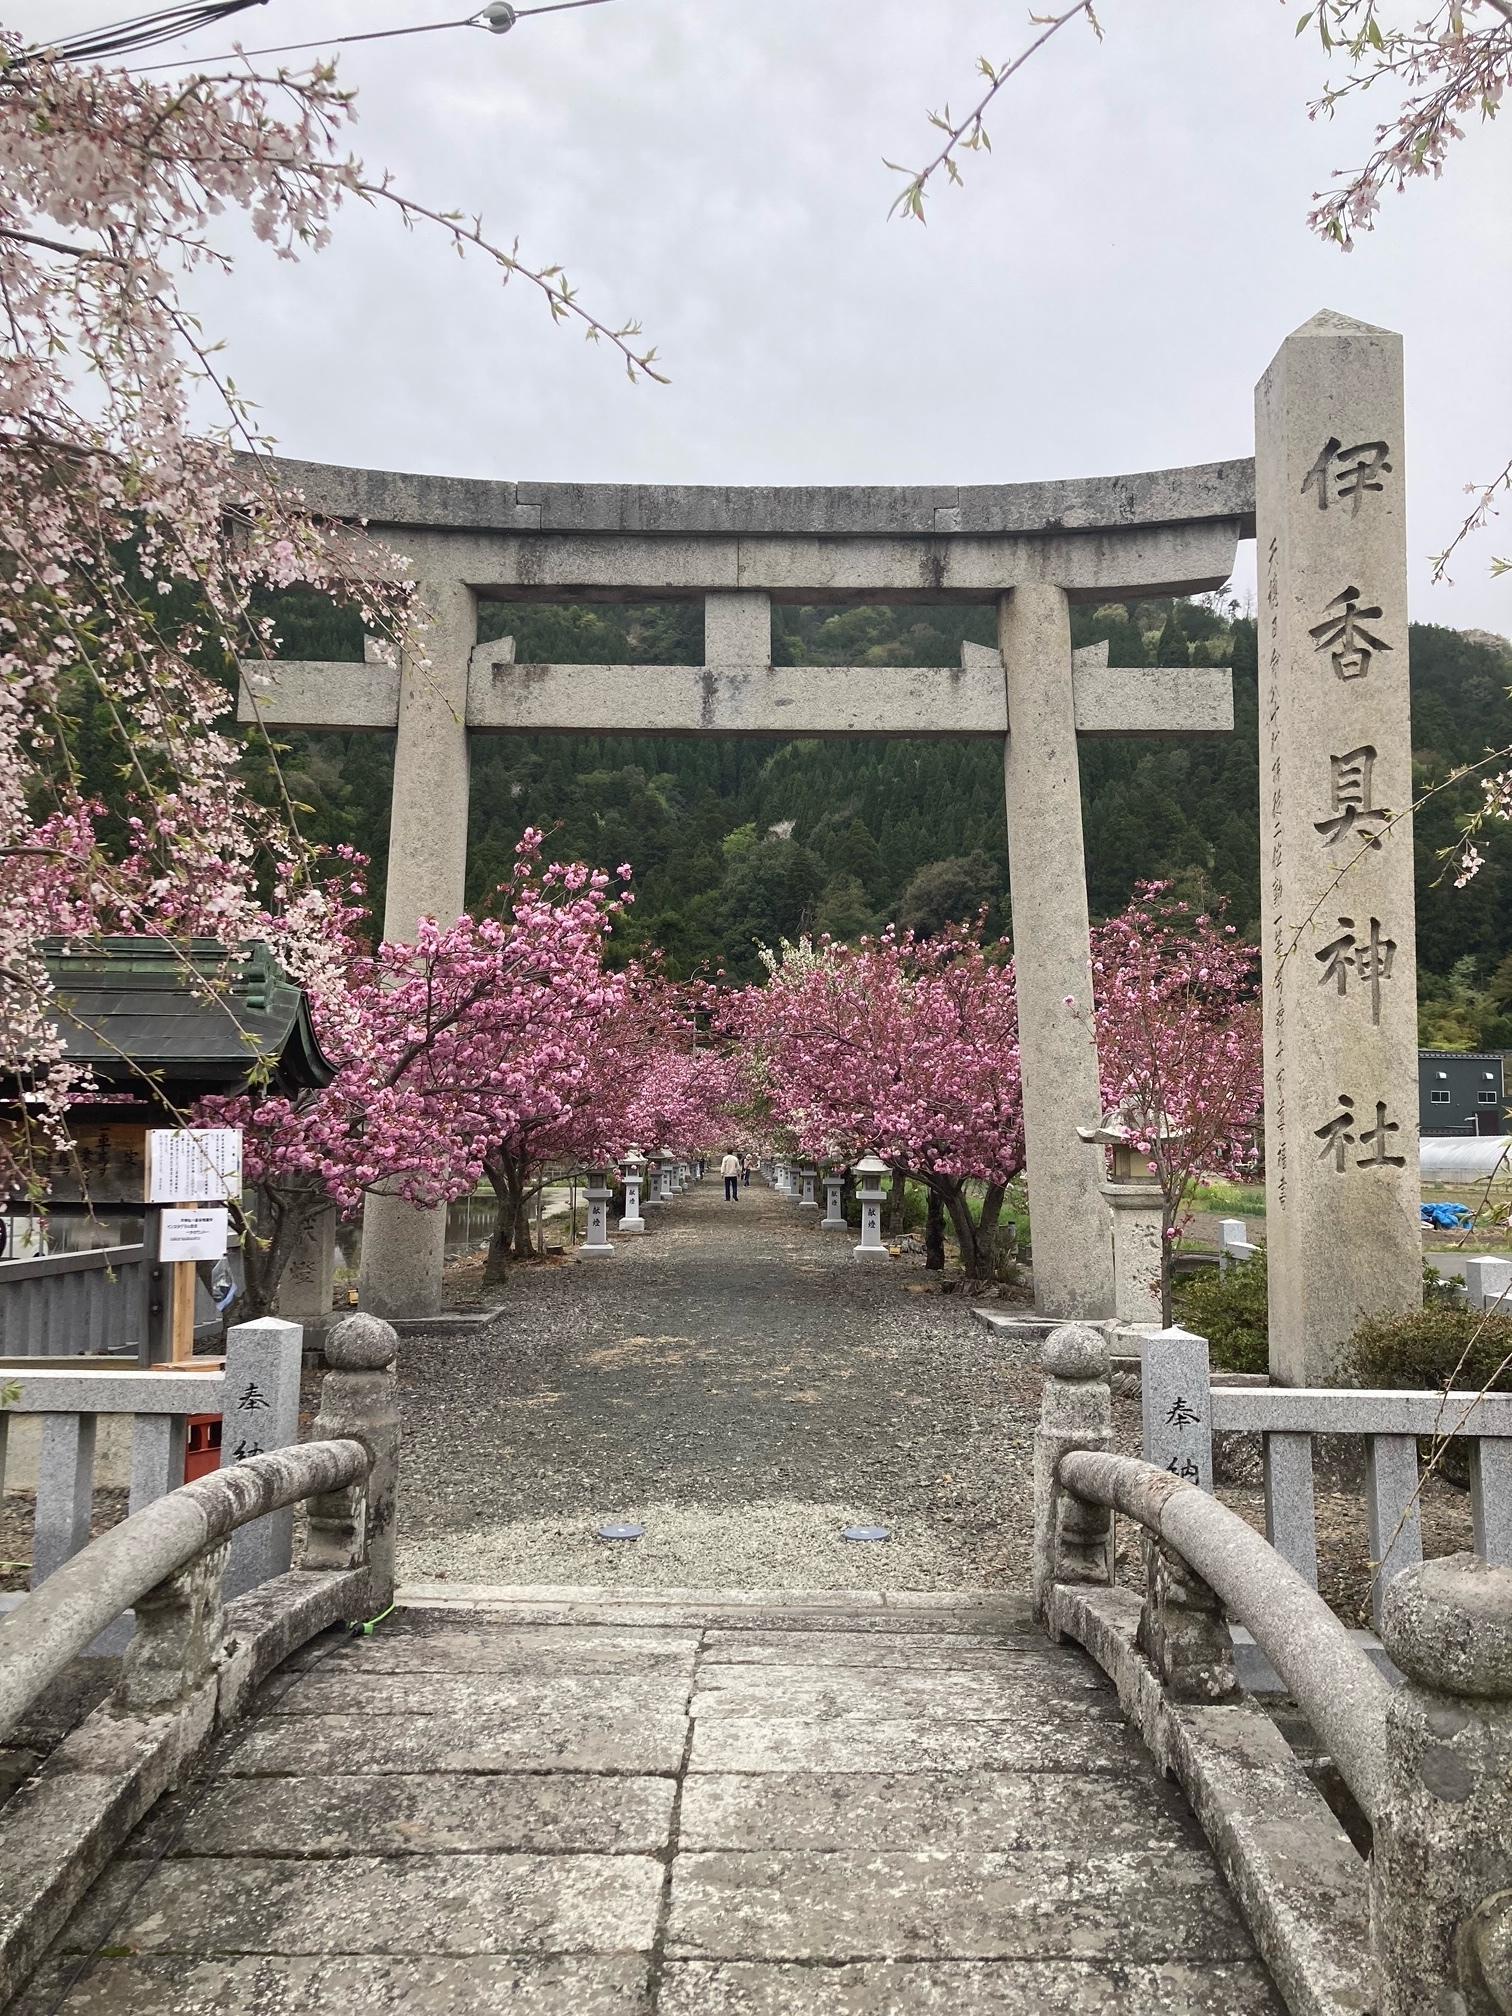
(743, 1388)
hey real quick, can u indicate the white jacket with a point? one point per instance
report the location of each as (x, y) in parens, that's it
(730, 1166)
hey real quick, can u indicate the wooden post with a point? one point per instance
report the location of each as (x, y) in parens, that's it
(183, 1276)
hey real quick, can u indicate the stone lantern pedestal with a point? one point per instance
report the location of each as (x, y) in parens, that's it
(596, 1246)
(833, 1219)
(651, 1185)
(808, 1176)
(1137, 1205)
(668, 1176)
(632, 1169)
(869, 1172)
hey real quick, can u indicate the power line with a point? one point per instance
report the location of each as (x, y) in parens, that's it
(497, 18)
(141, 31)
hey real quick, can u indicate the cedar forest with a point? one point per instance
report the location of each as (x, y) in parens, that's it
(741, 841)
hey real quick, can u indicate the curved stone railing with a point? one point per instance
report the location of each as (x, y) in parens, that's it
(1333, 1683)
(147, 1552)
(1426, 1923)
(191, 1662)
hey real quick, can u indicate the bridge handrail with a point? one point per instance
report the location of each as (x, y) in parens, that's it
(58, 1621)
(1335, 1685)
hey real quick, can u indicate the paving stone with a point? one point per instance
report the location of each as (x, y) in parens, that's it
(917, 1650)
(304, 1746)
(404, 1905)
(953, 1988)
(488, 1696)
(1132, 1907)
(1052, 1742)
(521, 1648)
(987, 1810)
(1010, 1693)
(348, 1986)
(540, 1814)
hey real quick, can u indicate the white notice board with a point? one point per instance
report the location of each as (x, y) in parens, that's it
(192, 1165)
(195, 1232)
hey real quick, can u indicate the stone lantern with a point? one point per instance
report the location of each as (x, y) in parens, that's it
(808, 1175)
(1138, 1209)
(833, 1219)
(596, 1246)
(869, 1172)
(668, 1175)
(632, 1170)
(651, 1187)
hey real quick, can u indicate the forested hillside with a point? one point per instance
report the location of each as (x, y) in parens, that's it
(744, 840)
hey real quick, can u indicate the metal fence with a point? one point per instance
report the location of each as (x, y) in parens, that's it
(78, 1305)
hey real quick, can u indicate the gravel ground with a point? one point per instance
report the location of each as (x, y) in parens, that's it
(739, 1385)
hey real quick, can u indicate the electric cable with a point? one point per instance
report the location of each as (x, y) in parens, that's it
(497, 19)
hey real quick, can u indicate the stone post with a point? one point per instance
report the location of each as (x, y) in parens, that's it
(176, 1646)
(308, 1287)
(834, 1218)
(1441, 1869)
(402, 1247)
(1073, 1245)
(260, 1412)
(668, 1176)
(1176, 1404)
(359, 1401)
(808, 1176)
(869, 1172)
(1073, 1542)
(632, 1170)
(1338, 939)
(596, 1245)
(651, 1194)
(1182, 1629)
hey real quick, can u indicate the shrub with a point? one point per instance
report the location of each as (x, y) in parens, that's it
(1229, 1309)
(1435, 1347)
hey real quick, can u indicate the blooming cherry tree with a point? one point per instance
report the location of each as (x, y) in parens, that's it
(1177, 1027)
(905, 1047)
(445, 1048)
(141, 524)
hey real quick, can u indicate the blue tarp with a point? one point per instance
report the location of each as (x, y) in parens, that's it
(1446, 1217)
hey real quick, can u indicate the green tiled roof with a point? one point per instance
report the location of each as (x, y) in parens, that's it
(189, 1018)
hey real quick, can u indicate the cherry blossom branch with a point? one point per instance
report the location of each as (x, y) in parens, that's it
(970, 133)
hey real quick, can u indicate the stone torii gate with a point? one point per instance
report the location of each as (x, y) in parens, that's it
(1339, 992)
(1028, 550)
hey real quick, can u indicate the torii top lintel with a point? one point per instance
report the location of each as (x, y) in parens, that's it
(1165, 531)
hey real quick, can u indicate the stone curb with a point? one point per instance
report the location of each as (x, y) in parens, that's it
(1299, 1884)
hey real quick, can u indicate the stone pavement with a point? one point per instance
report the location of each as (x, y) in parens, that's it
(655, 1805)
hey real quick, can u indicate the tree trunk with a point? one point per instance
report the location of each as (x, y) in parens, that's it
(977, 1240)
(895, 1203)
(280, 1219)
(934, 1231)
(510, 1238)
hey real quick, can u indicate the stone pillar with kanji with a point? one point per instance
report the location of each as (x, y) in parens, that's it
(1339, 945)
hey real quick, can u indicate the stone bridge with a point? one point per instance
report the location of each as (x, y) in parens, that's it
(745, 1803)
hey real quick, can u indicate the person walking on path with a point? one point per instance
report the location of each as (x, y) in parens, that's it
(730, 1170)
(747, 1165)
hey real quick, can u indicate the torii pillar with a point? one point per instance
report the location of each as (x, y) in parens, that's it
(1047, 877)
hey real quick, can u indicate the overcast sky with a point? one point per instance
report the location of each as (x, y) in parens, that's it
(1100, 297)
